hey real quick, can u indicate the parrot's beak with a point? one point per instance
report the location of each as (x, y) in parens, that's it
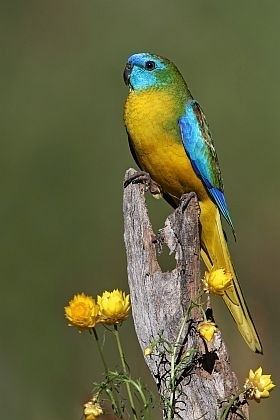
(127, 73)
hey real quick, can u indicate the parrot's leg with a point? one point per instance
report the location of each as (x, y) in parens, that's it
(141, 177)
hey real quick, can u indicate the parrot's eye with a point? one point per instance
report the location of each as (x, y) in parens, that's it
(150, 65)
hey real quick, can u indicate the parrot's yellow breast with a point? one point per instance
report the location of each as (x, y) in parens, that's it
(151, 119)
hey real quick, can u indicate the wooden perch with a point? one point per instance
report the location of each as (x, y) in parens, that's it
(194, 383)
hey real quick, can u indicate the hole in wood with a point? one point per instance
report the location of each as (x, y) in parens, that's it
(166, 261)
(158, 210)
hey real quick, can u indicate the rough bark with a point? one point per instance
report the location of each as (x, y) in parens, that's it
(159, 301)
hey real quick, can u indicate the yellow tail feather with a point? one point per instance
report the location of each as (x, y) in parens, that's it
(216, 255)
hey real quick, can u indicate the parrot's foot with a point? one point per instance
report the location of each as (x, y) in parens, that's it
(141, 177)
(185, 201)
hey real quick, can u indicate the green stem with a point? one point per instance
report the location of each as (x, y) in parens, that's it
(230, 405)
(142, 395)
(100, 351)
(174, 354)
(129, 393)
(115, 402)
(172, 368)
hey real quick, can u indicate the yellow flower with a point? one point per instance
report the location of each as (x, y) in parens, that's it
(114, 306)
(148, 351)
(217, 281)
(92, 409)
(258, 386)
(207, 330)
(82, 311)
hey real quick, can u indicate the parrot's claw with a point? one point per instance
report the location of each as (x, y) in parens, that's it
(141, 177)
(185, 200)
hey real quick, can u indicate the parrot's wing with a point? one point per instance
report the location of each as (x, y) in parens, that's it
(201, 151)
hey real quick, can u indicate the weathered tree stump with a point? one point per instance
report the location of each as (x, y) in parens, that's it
(159, 299)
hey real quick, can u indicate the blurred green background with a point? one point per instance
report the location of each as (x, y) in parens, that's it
(63, 156)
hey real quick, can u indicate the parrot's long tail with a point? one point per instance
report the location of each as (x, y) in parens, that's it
(216, 255)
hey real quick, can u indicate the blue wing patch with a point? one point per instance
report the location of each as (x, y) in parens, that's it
(200, 149)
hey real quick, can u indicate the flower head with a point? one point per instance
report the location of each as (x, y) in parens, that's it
(207, 330)
(114, 306)
(258, 386)
(217, 281)
(82, 311)
(148, 351)
(92, 409)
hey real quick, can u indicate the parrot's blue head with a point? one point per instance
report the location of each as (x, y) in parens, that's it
(149, 71)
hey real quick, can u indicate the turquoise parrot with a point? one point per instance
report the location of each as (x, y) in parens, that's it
(170, 140)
